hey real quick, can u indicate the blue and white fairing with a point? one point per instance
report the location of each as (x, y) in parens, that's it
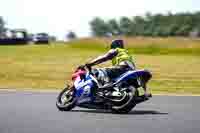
(84, 86)
(84, 89)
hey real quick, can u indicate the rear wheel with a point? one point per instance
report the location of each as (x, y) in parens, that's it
(66, 100)
(126, 105)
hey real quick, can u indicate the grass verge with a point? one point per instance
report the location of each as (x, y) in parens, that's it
(50, 66)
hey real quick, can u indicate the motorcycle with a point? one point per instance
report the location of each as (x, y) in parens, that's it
(120, 95)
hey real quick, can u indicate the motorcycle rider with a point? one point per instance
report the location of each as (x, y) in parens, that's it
(121, 61)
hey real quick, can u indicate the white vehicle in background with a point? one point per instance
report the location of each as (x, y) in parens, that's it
(41, 38)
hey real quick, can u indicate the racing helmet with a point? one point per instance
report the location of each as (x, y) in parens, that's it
(118, 43)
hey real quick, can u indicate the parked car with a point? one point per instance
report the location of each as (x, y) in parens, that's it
(41, 38)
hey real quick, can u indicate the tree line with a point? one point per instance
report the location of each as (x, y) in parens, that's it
(162, 25)
(2, 26)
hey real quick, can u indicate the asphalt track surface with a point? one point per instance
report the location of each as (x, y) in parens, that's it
(28, 112)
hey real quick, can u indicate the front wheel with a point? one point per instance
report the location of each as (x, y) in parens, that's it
(66, 100)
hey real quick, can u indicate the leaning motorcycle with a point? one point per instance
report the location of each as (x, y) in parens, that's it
(120, 95)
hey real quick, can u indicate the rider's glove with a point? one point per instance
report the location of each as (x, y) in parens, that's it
(88, 66)
(82, 67)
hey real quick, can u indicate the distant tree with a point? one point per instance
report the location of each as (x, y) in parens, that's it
(183, 30)
(125, 26)
(140, 24)
(2, 26)
(149, 24)
(114, 27)
(195, 33)
(99, 27)
(178, 24)
(53, 38)
(71, 35)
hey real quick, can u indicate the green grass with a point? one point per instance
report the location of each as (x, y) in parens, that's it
(149, 46)
(50, 66)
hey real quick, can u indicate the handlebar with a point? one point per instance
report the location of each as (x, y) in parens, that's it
(89, 68)
(86, 66)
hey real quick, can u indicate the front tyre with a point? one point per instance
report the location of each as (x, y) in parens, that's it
(66, 100)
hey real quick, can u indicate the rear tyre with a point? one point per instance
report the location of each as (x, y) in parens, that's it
(127, 105)
(66, 100)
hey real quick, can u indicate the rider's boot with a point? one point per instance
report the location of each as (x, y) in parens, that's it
(147, 94)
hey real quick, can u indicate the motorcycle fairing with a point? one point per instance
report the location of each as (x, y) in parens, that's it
(133, 75)
(83, 89)
(84, 86)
